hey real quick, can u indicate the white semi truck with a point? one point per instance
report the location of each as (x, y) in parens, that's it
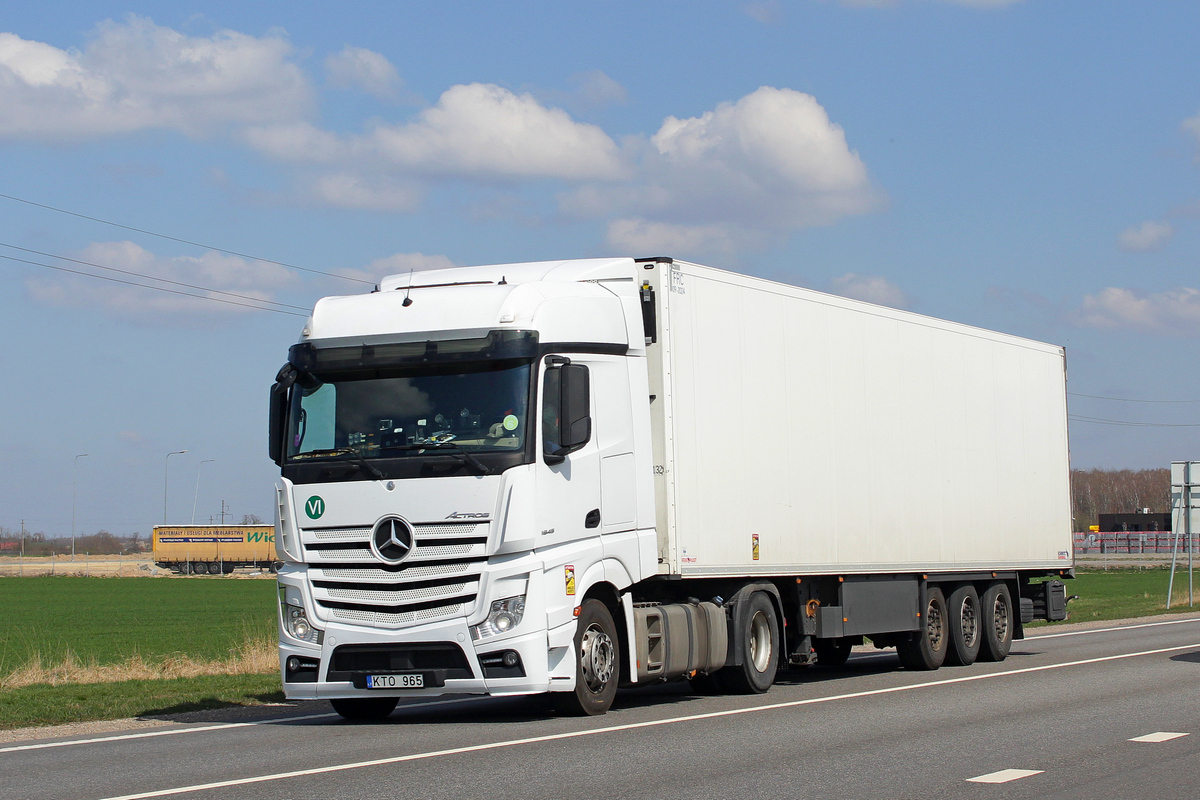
(567, 476)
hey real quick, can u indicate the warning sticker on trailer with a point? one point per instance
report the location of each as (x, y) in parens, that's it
(569, 575)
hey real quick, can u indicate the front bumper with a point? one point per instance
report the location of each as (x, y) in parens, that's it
(530, 647)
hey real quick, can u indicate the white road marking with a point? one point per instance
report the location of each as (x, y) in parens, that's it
(1005, 775)
(218, 727)
(1161, 736)
(1110, 630)
(633, 726)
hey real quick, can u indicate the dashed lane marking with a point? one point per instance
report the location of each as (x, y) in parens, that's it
(1005, 775)
(1160, 736)
(301, 773)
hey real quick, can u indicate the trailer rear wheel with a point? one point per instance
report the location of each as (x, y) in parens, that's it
(758, 627)
(596, 669)
(926, 650)
(365, 708)
(964, 626)
(832, 652)
(997, 628)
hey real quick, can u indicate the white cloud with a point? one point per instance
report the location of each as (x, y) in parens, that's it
(743, 175)
(872, 289)
(746, 173)
(137, 75)
(365, 70)
(477, 131)
(1175, 311)
(1149, 235)
(216, 272)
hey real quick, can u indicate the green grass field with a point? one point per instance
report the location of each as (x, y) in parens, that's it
(1120, 594)
(54, 705)
(112, 619)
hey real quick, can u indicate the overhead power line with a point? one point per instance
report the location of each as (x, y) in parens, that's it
(143, 275)
(1132, 424)
(1127, 399)
(183, 241)
(157, 288)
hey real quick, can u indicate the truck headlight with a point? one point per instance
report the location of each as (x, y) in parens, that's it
(296, 624)
(503, 616)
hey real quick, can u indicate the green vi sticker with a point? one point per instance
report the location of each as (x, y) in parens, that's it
(315, 507)
(511, 422)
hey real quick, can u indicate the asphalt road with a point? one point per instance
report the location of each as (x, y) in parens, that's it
(1056, 720)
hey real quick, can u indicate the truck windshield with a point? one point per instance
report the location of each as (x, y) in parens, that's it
(410, 412)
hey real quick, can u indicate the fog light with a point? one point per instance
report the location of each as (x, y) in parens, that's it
(293, 664)
(510, 658)
(504, 615)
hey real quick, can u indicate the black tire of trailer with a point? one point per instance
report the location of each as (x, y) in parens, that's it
(758, 626)
(365, 708)
(926, 649)
(996, 634)
(832, 652)
(964, 625)
(227, 568)
(597, 668)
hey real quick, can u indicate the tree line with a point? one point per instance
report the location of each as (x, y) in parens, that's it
(1117, 491)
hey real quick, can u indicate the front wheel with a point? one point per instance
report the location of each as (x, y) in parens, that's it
(365, 708)
(596, 668)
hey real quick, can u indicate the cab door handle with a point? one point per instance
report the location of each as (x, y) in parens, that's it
(592, 520)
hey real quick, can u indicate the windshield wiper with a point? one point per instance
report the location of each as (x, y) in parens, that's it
(456, 451)
(347, 453)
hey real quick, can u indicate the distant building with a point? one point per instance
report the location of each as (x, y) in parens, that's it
(1137, 523)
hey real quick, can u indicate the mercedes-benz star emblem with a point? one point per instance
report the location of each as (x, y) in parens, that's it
(392, 540)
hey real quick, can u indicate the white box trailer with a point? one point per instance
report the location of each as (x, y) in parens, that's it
(569, 476)
(802, 433)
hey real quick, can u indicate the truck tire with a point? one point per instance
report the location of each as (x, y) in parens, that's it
(597, 671)
(996, 630)
(365, 708)
(832, 652)
(926, 650)
(758, 627)
(965, 623)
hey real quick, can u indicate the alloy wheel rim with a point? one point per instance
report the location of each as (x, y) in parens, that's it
(597, 657)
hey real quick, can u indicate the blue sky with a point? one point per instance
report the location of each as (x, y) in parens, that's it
(1026, 166)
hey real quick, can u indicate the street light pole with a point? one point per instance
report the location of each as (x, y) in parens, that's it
(166, 464)
(197, 495)
(74, 470)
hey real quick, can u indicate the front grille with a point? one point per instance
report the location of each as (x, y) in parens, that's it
(439, 580)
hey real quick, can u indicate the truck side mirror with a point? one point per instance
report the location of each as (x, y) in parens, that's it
(567, 420)
(279, 395)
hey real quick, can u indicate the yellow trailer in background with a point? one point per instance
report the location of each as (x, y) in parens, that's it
(213, 549)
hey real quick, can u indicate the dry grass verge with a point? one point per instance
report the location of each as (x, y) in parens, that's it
(254, 656)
